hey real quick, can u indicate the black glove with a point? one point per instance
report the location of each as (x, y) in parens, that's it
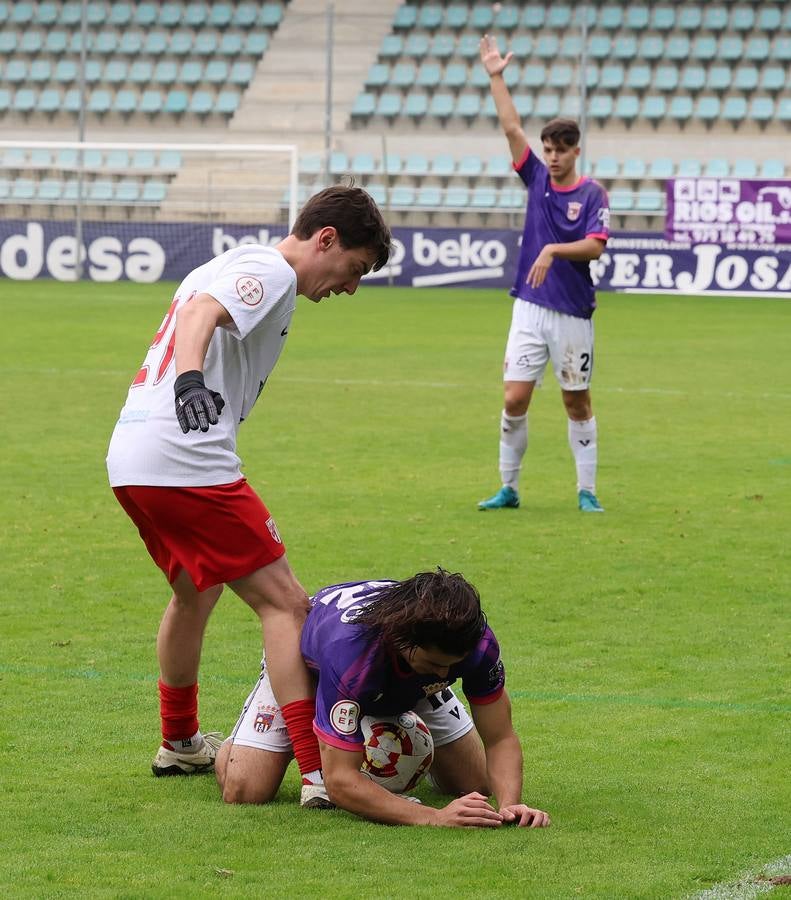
(196, 406)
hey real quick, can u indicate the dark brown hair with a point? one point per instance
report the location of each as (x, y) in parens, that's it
(431, 609)
(563, 132)
(355, 216)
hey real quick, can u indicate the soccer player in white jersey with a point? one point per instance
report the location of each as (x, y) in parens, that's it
(173, 466)
(566, 226)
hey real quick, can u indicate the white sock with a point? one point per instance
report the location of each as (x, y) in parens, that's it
(582, 440)
(314, 777)
(188, 745)
(513, 444)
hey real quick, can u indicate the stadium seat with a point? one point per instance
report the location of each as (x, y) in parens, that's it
(621, 201)
(405, 18)
(627, 108)
(611, 77)
(610, 18)
(456, 16)
(429, 75)
(781, 49)
(220, 15)
(416, 46)
(201, 103)
(757, 49)
(769, 19)
(176, 102)
(455, 76)
(46, 14)
(378, 75)
(649, 201)
(483, 198)
(547, 47)
(170, 15)
(560, 76)
(633, 168)
(271, 15)
(131, 43)
(16, 71)
(231, 44)
(142, 160)
(605, 167)
(115, 72)
(693, 78)
(127, 191)
(638, 78)
(364, 105)
(745, 78)
(481, 19)
(547, 106)
(402, 196)
(389, 105)
(677, 48)
(169, 161)
(468, 47)
(363, 164)
(190, 73)
(106, 43)
(718, 78)
(428, 196)
(441, 105)
(153, 192)
(415, 106)
(689, 168)
(470, 166)
(689, 18)
(499, 167)
(599, 46)
(31, 43)
(205, 43)
(429, 17)
(663, 18)
(125, 102)
(666, 78)
(772, 168)
(216, 71)
(416, 165)
(774, 78)
(241, 73)
(783, 111)
(403, 75)
(707, 109)
(715, 18)
(145, 14)
(245, 15)
(651, 48)
(680, 108)
(716, 167)
(761, 110)
(731, 49)
(141, 72)
(256, 45)
(734, 109)
(391, 47)
(533, 75)
(660, 168)
(744, 168)
(100, 101)
(49, 100)
(165, 72)
(443, 166)
(468, 106)
(196, 15)
(625, 47)
(570, 105)
(23, 189)
(25, 100)
(704, 48)
(457, 197)
(570, 47)
(742, 18)
(40, 71)
(72, 101)
(22, 13)
(600, 106)
(654, 108)
(50, 190)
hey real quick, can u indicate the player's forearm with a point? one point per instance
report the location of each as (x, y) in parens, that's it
(196, 322)
(357, 794)
(504, 767)
(509, 119)
(578, 251)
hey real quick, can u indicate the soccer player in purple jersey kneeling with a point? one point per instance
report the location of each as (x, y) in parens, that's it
(566, 226)
(382, 648)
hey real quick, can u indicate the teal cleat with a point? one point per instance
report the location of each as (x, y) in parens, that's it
(505, 498)
(588, 502)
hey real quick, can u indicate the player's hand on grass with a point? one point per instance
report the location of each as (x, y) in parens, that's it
(538, 271)
(469, 811)
(524, 816)
(492, 60)
(196, 406)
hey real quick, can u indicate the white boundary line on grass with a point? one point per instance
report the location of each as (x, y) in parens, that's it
(746, 887)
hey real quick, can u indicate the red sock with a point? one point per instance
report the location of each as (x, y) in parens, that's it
(299, 717)
(178, 709)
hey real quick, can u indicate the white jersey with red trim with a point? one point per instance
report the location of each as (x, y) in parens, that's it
(258, 288)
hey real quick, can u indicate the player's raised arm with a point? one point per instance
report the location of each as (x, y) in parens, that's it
(495, 63)
(504, 762)
(348, 788)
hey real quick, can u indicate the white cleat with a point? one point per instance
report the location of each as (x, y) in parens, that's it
(196, 762)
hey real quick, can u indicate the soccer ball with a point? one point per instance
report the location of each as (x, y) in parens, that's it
(398, 750)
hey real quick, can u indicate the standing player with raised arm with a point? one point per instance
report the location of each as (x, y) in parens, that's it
(173, 465)
(382, 648)
(566, 226)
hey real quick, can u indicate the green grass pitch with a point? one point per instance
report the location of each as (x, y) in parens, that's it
(647, 649)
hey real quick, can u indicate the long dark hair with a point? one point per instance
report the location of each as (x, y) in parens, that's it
(437, 609)
(355, 215)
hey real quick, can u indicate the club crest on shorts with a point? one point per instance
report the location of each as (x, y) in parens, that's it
(270, 524)
(573, 210)
(345, 716)
(264, 718)
(250, 290)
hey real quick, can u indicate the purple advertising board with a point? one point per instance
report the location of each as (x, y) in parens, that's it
(422, 257)
(728, 211)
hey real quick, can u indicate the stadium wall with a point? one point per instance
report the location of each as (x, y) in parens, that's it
(422, 257)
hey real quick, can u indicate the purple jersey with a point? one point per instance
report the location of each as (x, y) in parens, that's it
(559, 215)
(360, 676)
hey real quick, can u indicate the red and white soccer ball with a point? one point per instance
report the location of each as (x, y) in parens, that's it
(398, 750)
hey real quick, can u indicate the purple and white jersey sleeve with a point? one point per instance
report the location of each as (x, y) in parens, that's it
(483, 672)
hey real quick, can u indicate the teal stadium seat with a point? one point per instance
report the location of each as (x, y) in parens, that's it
(633, 168)
(169, 161)
(116, 71)
(14, 158)
(600, 107)
(693, 78)
(666, 78)
(153, 192)
(50, 190)
(468, 47)
(191, 73)
(627, 108)
(533, 17)
(677, 48)
(649, 201)
(176, 102)
(769, 19)
(391, 164)
(689, 18)
(389, 105)
(611, 77)
(429, 196)
(364, 105)
(663, 18)
(416, 46)
(653, 108)
(742, 18)
(731, 49)
(201, 103)
(558, 17)
(40, 158)
(145, 14)
(533, 75)
(570, 105)
(638, 78)
(196, 15)
(483, 198)
(391, 47)
(661, 168)
(125, 102)
(744, 168)
(31, 43)
(403, 75)
(231, 44)
(7, 42)
(363, 164)
(402, 196)
(105, 43)
(25, 100)
(507, 18)
(256, 45)
(499, 167)
(781, 49)
(547, 107)
(40, 71)
(707, 109)
(23, 189)
(610, 18)
(717, 167)
(605, 167)
(511, 198)
(783, 112)
(100, 191)
(443, 166)
(757, 49)
(715, 18)
(415, 106)
(773, 79)
(245, 15)
(127, 191)
(131, 43)
(637, 18)
(560, 76)
(680, 108)
(120, 14)
(745, 78)
(481, 19)
(16, 71)
(570, 47)
(169, 15)
(455, 76)
(22, 13)
(241, 73)
(441, 106)
(142, 160)
(429, 75)
(704, 48)
(470, 166)
(457, 197)
(165, 72)
(547, 47)
(625, 47)
(651, 48)
(599, 46)
(416, 165)
(621, 201)
(689, 168)
(180, 43)
(429, 17)
(221, 15)
(761, 110)
(772, 168)
(718, 78)
(734, 109)
(46, 14)
(405, 18)
(443, 46)
(49, 100)
(456, 16)
(100, 101)
(205, 43)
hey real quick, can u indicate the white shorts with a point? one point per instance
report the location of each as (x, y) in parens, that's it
(537, 335)
(261, 724)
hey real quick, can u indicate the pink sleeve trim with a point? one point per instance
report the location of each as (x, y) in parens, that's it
(600, 235)
(489, 698)
(523, 160)
(337, 742)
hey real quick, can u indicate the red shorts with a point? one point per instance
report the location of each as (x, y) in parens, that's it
(216, 534)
